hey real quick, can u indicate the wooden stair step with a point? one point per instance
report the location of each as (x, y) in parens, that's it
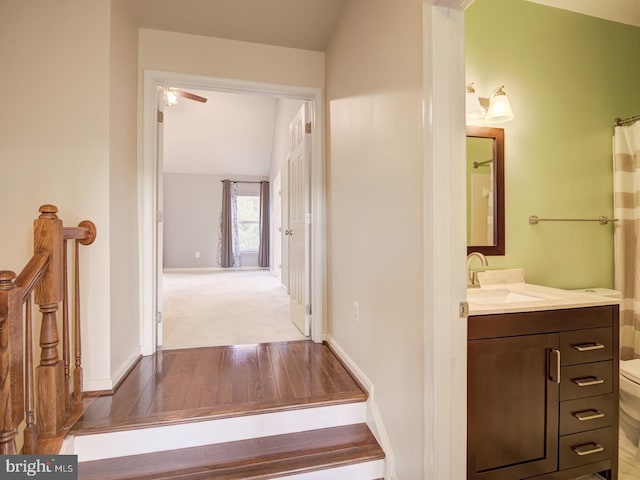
(181, 386)
(257, 458)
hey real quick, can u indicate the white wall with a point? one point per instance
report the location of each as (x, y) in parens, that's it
(375, 217)
(192, 206)
(220, 58)
(191, 213)
(123, 218)
(57, 106)
(54, 133)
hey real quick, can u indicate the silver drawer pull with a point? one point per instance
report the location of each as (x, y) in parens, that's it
(588, 449)
(585, 415)
(587, 347)
(587, 381)
(558, 363)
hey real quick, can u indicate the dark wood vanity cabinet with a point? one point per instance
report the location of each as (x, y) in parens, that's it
(543, 394)
(512, 425)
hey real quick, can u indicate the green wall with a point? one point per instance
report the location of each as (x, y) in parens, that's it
(568, 76)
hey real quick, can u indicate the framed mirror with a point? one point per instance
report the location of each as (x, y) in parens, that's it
(485, 190)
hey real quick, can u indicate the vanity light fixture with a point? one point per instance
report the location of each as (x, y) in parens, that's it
(499, 107)
(494, 109)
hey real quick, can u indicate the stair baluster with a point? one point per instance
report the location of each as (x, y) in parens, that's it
(10, 348)
(45, 275)
(66, 334)
(83, 234)
(77, 371)
(30, 433)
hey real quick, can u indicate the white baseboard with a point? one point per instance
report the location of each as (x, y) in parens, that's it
(97, 384)
(107, 384)
(211, 269)
(374, 418)
(124, 368)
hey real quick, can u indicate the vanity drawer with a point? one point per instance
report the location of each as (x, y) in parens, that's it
(587, 414)
(587, 447)
(582, 346)
(586, 380)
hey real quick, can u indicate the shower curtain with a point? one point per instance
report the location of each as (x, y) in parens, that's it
(491, 240)
(626, 171)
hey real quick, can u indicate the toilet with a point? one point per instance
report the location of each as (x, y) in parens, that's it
(630, 406)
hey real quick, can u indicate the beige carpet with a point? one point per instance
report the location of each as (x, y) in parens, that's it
(225, 308)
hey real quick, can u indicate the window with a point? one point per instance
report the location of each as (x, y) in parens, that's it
(248, 222)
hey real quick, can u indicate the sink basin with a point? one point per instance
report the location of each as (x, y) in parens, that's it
(499, 296)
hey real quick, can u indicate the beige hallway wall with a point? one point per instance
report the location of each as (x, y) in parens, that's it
(375, 240)
(66, 67)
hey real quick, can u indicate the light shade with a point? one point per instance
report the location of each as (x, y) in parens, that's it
(170, 97)
(474, 109)
(499, 108)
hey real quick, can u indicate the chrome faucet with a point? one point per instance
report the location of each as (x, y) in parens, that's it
(472, 277)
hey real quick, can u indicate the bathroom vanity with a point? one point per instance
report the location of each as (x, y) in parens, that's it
(542, 384)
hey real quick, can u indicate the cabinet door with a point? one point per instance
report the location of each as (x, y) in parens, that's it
(512, 407)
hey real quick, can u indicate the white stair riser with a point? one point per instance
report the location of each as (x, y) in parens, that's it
(358, 471)
(185, 435)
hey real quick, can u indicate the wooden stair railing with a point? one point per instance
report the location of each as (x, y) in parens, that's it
(52, 397)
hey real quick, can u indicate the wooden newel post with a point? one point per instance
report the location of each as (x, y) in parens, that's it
(49, 236)
(11, 367)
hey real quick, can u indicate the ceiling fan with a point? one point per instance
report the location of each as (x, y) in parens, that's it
(171, 95)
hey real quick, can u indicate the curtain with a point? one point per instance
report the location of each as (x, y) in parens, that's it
(263, 249)
(626, 170)
(235, 237)
(229, 248)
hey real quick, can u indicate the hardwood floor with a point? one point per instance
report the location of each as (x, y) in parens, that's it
(175, 386)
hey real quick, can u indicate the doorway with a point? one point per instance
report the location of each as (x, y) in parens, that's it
(204, 299)
(152, 195)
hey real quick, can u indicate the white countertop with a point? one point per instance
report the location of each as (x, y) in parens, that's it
(526, 297)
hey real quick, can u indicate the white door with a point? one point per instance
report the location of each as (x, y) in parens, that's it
(159, 232)
(297, 232)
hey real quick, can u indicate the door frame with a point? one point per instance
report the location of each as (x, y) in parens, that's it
(445, 236)
(148, 175)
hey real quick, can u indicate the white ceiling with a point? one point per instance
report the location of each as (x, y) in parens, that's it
(229, 135)
(622, 11)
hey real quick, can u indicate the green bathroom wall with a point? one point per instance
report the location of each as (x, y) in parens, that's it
(568, 76)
